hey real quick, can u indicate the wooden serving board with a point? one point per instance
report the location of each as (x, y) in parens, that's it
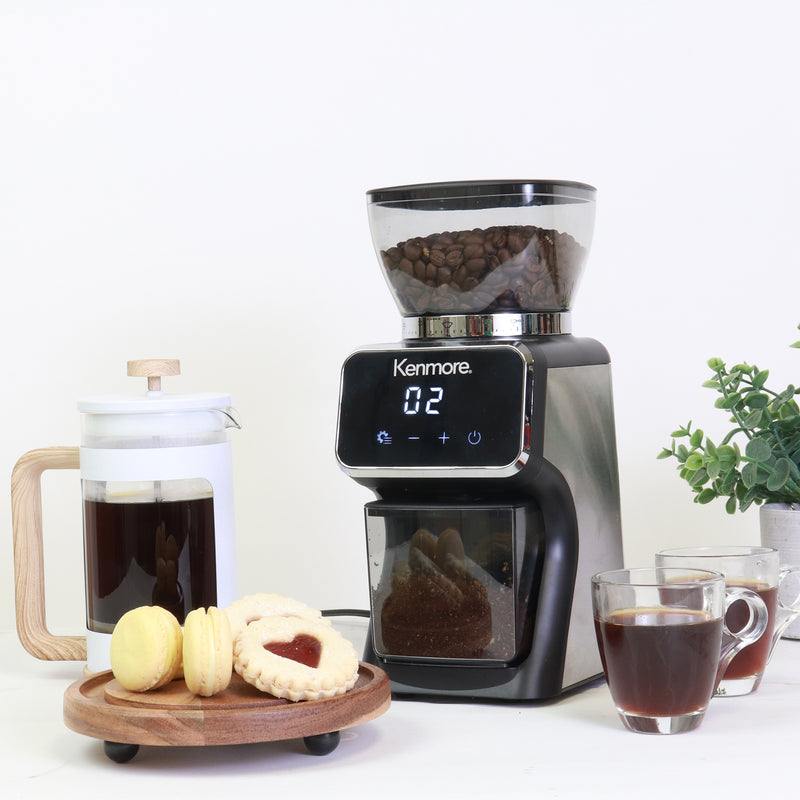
(99, 707)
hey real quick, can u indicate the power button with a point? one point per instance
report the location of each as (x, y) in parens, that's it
(474, 437)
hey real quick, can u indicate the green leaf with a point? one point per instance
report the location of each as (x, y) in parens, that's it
(752, 419)
(711, 384)
(716, 364)
(732, 378)
(760, 378)
(780, 474)
(758, 450)
(665, 453)
(696, 438)
(730, 504)
(756, 400)
(698, 478)
(694, 462)
(748, 499)
(713, 468)
(750, 475)
(729, 481)
(706, 496)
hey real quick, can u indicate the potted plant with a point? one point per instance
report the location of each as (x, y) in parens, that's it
(756, 463)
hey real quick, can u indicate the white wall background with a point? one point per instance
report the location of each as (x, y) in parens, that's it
(186, 179)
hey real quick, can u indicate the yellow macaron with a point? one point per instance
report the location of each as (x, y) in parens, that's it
(146, 648)
(207, 651)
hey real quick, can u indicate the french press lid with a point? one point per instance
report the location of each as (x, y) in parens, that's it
(154, 412)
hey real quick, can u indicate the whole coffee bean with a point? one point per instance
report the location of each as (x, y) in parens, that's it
(473, 251)
(437, 257)
(394, 254)
(454, 258)
(516, 242)
(412, 251)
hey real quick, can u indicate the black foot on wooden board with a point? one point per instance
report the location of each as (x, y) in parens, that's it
(322, 743)
(120, 752)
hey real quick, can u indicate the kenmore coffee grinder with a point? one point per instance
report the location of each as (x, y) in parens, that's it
(487, 436)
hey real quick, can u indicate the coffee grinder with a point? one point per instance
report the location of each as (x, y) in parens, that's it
(487, 437)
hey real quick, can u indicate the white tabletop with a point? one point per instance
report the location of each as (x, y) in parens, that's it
(573, 747)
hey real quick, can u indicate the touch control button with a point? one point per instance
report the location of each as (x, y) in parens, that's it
(474, 437)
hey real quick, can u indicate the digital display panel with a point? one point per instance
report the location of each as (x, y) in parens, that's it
(433, 407)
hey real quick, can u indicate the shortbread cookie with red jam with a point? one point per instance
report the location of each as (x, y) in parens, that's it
(257, 606)
(295, 658)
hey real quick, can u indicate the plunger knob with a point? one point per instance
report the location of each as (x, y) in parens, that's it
(154, 369)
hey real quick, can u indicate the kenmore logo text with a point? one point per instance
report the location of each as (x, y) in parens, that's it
(402, 367)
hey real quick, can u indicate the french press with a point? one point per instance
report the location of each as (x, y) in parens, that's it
(158, 515)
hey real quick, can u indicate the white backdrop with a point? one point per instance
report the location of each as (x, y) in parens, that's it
(186, 179)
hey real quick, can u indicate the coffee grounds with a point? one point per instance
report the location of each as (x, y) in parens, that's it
(504, 268)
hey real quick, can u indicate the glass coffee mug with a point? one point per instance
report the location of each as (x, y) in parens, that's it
(754, 568)
(664, 643)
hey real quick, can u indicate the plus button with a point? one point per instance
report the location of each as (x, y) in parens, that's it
(444, 437)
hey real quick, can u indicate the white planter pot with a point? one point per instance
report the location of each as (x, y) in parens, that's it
(780, 528)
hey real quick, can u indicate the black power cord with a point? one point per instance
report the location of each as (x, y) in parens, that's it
(346, 612)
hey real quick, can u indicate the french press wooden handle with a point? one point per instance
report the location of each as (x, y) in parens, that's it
(26, 516)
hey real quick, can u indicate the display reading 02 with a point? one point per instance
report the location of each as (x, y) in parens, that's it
(433, 407)
(412, 402)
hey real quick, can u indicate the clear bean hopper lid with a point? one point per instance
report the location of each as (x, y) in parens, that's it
(482, 247)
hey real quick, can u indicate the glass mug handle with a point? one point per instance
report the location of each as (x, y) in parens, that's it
(733, 643)
(787, 612)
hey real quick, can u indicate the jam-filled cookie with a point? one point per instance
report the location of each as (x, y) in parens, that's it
(295, 658)
(257, 606)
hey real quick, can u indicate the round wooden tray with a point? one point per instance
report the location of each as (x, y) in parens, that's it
(99, 707)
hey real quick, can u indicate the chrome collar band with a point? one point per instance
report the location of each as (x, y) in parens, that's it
(462, 326)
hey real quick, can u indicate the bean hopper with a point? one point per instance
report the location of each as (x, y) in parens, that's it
(487, 437)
